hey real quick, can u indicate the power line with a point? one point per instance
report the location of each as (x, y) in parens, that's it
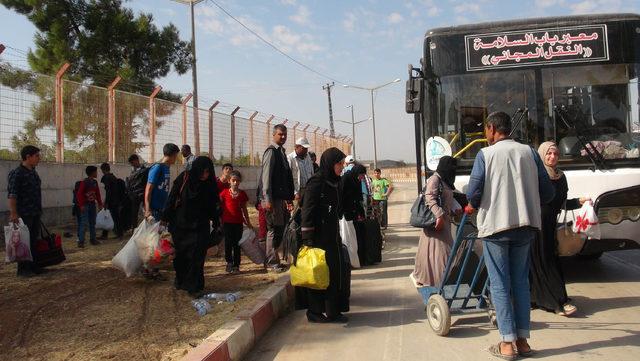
(274, 46)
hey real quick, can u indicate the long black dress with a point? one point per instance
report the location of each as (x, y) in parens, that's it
(192, 204)
(320, 214)
(548, 291)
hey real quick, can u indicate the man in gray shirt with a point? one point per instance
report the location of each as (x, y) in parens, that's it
(275, 192)
(301, 167)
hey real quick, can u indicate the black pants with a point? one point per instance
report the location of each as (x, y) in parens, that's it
(135, 203)
(232, 235)
(191, 252)
(33, 223)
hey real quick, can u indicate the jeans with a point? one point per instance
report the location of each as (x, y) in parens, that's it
(384, 215)
(88, 218)
(507, 260)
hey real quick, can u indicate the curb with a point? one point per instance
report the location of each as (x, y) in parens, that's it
(236, 338)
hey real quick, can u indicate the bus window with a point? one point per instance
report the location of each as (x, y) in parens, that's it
(600, 101)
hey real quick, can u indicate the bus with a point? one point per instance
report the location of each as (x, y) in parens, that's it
(573, 80)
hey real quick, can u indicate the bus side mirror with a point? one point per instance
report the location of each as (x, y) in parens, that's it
(414, 95)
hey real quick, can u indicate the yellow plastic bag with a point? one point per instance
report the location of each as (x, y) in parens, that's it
(310, 270)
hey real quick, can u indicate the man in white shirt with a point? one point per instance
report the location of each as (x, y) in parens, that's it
(301, 166)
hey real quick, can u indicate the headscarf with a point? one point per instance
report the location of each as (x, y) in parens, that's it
(329, 159)
(554, 172)
(447, 170)
(198, 167)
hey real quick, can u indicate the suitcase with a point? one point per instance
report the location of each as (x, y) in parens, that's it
(48, 249)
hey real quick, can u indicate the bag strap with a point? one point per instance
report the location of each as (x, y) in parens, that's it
(185, 179)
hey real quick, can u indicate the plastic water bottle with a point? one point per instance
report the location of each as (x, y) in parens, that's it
(232, 297)
(202, 306)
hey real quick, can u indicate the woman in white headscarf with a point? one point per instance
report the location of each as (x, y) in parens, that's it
(548, 290)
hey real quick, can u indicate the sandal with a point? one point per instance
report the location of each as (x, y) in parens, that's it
(527, 353)
(495, 351)
(567, 310)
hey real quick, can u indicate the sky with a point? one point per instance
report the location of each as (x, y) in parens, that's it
(359, 42)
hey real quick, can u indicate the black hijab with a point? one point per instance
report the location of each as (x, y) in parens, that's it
(329, 159)
(447, 170)
(198, 167)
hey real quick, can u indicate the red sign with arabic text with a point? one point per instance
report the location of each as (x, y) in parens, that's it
(537, 47)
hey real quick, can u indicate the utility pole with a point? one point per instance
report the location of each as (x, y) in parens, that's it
(328, 89)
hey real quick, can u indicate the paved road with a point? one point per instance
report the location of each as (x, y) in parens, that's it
(387, 321)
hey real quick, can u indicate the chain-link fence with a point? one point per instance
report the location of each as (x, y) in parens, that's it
(80, 123)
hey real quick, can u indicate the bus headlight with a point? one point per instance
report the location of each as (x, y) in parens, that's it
(615, 215)
(634, 213)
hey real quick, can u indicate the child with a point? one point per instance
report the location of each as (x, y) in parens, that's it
(88, 194)
(234, 215)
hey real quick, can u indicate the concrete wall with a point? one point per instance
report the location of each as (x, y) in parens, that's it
(58, 181)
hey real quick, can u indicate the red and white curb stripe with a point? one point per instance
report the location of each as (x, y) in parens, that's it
(236, 338)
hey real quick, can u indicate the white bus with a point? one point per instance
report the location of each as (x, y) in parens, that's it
(573, 80)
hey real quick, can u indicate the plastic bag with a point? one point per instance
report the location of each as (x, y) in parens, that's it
(128, 260)
(162, 251)
(251, 247)
(311, 269)
(16, 239)
(104, 220)
(587, 221)
(349, 239)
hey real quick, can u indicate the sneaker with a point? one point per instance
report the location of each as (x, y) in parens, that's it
(229, 268)
(80, 244)
(95, 242)
(235, 270)
(278, 268)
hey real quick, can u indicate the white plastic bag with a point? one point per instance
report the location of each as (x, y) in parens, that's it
(587, 221)
(16, 239)
(128, 260)
(251, 247)
(148, 241)
(104, 220)
(349, 239)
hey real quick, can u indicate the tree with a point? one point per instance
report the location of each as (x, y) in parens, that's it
(101, 39)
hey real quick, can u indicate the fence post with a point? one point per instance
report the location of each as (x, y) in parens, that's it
(251, 150)
(59, 113)
(233, 134)
(215, 104)
(269, 128)
(315, 141)
(184, 118)
(152, 122)
(111, 113)
(324, 140)
(304, 131)
(294, 131)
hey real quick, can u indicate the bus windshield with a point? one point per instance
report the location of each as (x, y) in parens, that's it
(600, 103)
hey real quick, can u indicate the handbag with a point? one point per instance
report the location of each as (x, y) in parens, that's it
(48, 249)
(421, 214)
(569, 243)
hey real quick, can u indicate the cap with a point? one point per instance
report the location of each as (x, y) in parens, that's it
(303, 142)
(349, 159)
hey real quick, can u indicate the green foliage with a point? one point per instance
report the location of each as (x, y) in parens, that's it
(101, 39)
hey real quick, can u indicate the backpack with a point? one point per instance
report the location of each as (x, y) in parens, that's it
(121, 189)
(138, 182)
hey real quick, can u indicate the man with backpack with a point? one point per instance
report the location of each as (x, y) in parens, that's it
(136, 185)
(115, 197)
(88, 194)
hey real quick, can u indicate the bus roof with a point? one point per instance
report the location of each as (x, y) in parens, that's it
(520, 24)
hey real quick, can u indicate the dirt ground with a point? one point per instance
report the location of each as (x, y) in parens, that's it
(84, 309)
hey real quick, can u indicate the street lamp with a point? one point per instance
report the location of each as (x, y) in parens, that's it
(353, 129)
(373, 114)
(194, 74)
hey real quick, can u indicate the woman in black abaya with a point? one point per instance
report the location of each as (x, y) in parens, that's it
(193, 202)
(321, 209)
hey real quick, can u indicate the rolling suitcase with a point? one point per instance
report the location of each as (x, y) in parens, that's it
(373, 238)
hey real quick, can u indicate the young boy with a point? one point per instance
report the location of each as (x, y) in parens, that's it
(381, 188)
(114, 199)
(157, 192)
(225, 177)
(234, 215)
(87, 196)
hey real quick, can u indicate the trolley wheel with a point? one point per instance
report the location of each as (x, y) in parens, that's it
(438, 315)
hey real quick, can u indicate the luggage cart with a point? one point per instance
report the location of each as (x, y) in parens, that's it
(458, 297)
